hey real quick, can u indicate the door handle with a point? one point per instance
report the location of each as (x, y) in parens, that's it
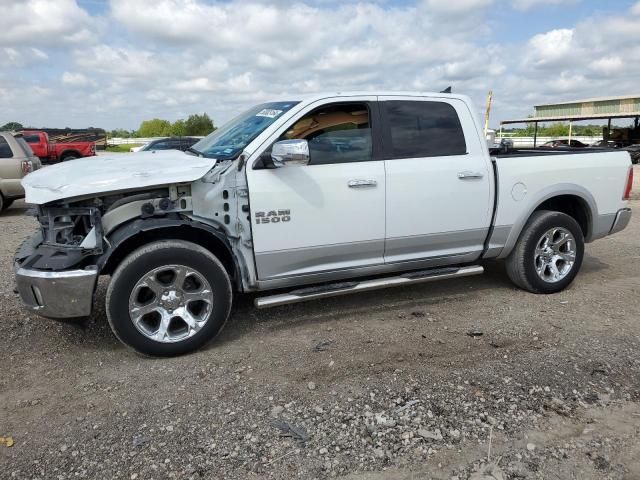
(470, 175)
(362, 183)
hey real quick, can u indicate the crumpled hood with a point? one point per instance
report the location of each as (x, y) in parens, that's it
(112, 173)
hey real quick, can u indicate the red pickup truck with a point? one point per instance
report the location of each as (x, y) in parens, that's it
(50, 152)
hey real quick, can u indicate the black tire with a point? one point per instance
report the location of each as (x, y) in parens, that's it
(520, 263)
(155, 255)
(4, 203)
(68, 157)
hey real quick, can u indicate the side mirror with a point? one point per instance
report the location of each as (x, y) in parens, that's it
(290, 152)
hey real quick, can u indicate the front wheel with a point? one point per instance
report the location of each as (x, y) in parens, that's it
(549, 253)
(168, 298)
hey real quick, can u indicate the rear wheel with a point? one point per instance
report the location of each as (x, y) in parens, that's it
(168, 298)
(69, 156)
(549, 253)
(4, 203)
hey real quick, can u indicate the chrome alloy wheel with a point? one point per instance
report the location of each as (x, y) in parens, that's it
(555, 254)
(171, 303)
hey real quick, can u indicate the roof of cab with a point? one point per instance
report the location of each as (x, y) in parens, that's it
(313, 97)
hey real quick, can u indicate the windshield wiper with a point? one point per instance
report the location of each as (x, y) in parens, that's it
(193, 150)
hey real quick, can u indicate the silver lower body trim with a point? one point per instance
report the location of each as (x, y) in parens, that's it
(312, 293)
(367, 271)
(623, 217)
(309, 260)
(63, 294)
(415, 247)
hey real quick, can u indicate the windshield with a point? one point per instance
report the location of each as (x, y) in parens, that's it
(228, 141)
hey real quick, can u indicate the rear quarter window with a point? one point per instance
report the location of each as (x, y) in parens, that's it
(422, 129)
(25, 146)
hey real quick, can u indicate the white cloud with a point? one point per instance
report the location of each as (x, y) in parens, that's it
(236, 84)
(608, 65)
(551, 47)
(42, 22)
(77, 79)
(529, 4)
(456, 6)
(169, 58)
(351, 58)
(22, 56)
(119, 62)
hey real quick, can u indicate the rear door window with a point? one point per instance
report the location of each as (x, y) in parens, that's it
(416, 129)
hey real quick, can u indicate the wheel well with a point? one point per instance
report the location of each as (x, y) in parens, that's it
(572, 205)
(199, 236)
(70, 152)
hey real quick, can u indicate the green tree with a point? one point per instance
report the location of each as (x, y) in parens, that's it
(179, 128)
(120, 133)
(11, 126)
(199, 125)
(557, 130)
(155, 128)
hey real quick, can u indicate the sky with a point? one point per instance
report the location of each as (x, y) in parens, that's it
(114, 63)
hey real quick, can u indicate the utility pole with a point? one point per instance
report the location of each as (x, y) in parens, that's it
(488, 112)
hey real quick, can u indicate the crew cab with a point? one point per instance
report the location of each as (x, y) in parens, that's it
(317, 196)
(16, 161)
(51, 152)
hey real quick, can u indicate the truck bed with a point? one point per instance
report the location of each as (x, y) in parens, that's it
(536, 152)
(597, 177)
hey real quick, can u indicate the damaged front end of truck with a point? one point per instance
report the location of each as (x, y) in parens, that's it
(82, 235)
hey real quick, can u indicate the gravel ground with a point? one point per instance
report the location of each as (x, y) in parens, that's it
(465, 379)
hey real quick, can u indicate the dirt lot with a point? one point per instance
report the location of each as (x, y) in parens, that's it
(385, 385)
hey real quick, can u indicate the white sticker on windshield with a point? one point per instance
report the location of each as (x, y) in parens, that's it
(269, 113)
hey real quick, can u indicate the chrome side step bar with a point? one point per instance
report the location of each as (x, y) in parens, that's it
(344, 288)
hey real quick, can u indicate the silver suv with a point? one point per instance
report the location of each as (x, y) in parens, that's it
(16, 161)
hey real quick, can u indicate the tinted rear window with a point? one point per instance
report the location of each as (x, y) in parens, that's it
(31, 138)
(423, 129)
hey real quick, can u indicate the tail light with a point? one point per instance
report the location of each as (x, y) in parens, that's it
(627, 189)
(27, 167)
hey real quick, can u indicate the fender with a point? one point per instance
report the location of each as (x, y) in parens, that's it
(140, 228)
(542, 196)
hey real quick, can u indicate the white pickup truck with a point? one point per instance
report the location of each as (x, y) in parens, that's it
(321, 196)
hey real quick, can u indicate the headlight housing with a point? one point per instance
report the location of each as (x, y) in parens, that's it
(69, 227)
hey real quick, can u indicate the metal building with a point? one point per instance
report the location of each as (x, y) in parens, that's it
(606, 108)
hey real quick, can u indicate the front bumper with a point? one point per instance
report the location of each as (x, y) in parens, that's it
(622, 220)
(57, 294)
